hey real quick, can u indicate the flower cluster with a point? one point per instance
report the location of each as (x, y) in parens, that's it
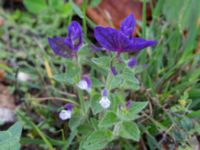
(119, 41)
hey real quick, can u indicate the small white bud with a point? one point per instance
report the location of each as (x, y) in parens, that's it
(105, 102)
(22, 76)
(65, 114)
(6, 115)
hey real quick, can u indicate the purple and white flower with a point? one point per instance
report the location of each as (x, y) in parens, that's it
(66, 113)
(85, 84)
(104, 101)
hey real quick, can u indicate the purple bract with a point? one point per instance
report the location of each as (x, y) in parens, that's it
(132, 62)
(68, 46)
(127, 105)
(121, 40)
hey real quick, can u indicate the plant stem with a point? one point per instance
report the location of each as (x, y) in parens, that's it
(84, 8)
(82, 102)
(144, 19)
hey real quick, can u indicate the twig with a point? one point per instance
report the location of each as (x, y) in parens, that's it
(42, 99)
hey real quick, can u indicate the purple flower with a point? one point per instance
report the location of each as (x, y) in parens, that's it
(85, 83)
(66, 113)
(132, 62)
(104, 101)
(121, 40)
(68, 46)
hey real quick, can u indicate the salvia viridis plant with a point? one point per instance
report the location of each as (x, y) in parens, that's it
(103, 110)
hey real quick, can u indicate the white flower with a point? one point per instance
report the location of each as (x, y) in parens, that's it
(105, 102)
(65, 114)
(22, 76)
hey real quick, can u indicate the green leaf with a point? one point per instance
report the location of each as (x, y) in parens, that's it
(108, 120)
(70, 138)
(71, 76)
(96, 107)
(10, 139)
(55, 3)
(94, 3)
(28, 121)
(75, 121)
(129, 130)
(152, 142)
(35, 6)
(114, 81)
(194, 114)
(132, 113)
(65, 9)
(96, 83)
(96, 140)
(137, 107)
(103, 62)
(130, 81)
(77, 10)
(63, 78)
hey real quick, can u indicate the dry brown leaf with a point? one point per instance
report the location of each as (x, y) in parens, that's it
(1, 21)
(2, 75)
(112, 12)
(7, 105)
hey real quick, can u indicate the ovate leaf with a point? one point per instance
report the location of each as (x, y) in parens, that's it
(137, 107)
(10, 139)
(108, 120)
(96, 140)
(65, 9)
(35, 6)
(103, 62)
(129, 130)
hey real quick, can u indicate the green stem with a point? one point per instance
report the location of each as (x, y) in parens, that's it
(84, 8)
(144, 19)
(80, 92)
(82, 102)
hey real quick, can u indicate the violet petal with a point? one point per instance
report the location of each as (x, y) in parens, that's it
(112, 39)
(88, 80)
(68, 107)
(127, 26)
(59, 47)
(74, 38)
(138, 44)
